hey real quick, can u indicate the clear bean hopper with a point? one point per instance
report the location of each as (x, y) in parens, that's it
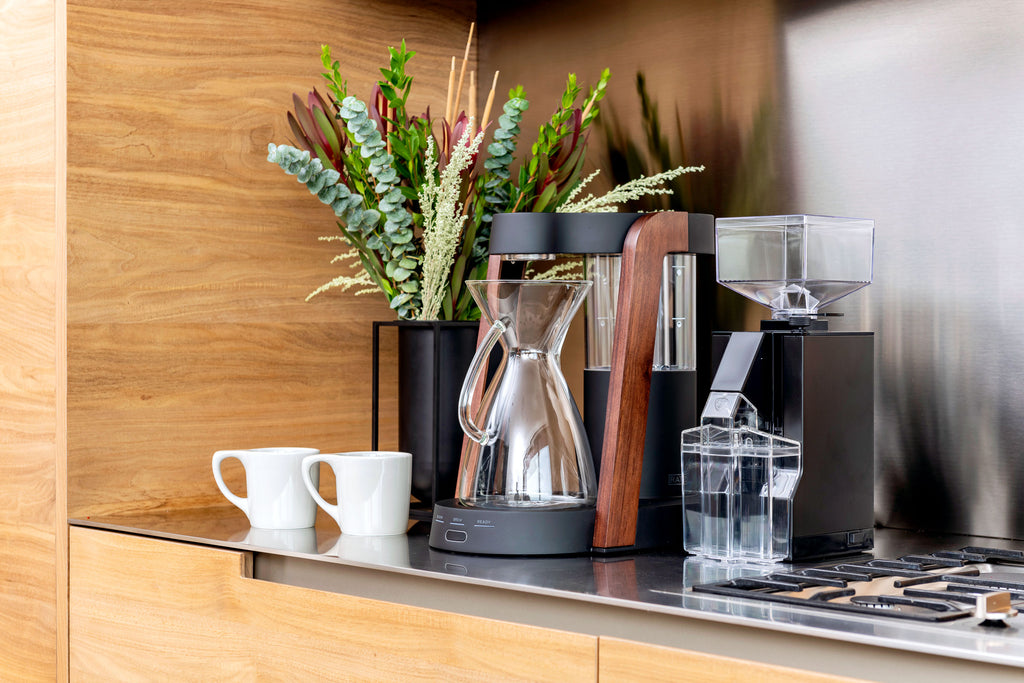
(794, 265)
(773, 422)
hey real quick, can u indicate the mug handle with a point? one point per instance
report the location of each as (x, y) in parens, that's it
(314, 490)
(218, 458)
(472, 377)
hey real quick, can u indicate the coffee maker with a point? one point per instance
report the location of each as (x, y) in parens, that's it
(648, 364)
(793, 402)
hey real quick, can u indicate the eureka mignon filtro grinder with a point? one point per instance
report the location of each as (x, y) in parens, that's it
(806, 387)
(648, 369)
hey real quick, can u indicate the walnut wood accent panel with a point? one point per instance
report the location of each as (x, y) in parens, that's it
(190, 255)
(648, 241)
(32, 305)
(625, 660)
(187, 612)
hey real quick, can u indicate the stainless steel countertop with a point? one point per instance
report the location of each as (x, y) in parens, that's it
(656, 582)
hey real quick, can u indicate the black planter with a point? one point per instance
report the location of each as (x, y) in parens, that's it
(433, 358)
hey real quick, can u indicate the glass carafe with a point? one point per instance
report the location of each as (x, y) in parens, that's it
(527, 446)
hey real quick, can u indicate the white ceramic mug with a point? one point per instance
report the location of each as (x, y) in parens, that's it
(373, 490)
(276, 497)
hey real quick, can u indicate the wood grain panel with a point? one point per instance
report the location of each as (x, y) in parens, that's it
(189, 613)
(710, 61)
(153, 402)
(61, 332)
(174, 212)
(31, 303)
(625, 660)
(190, 255)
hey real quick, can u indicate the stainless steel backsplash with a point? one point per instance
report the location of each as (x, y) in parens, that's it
(910, 112)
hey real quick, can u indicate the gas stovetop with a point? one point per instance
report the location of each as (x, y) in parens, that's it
(987, 583)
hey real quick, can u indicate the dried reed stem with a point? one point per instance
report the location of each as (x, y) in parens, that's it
(462, 70)
(451, 86)
(490, 102)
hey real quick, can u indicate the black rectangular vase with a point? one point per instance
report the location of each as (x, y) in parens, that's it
(433, 358)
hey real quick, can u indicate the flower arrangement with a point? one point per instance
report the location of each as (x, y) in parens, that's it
(412, 203)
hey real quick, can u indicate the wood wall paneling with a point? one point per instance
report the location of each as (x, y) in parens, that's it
(711, 62)
(190, 255)
(191, 613)
(32, 570)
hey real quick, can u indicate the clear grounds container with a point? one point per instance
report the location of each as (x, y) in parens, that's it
(738, 485)
(675, 343)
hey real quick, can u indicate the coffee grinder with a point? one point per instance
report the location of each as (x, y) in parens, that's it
(648, 364)
(795, 390)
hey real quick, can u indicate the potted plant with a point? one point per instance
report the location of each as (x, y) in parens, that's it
(413, 202)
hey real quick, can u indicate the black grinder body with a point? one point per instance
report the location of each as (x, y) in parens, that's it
(817, 387)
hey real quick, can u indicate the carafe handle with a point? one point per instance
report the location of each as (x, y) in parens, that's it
(466, 395)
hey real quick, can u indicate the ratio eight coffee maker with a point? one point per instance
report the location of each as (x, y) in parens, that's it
(535, 478)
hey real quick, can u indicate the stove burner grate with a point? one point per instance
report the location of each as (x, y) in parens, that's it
(939, 587)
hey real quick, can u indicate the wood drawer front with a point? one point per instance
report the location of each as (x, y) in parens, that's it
(147, 609)
(627, 660)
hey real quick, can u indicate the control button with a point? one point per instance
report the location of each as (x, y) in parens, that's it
(455, 536)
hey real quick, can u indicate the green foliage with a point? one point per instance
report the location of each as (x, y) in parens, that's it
(357, 223)
(557, 157)
(367, 160)
(335, 81)
(496, 189)
(396, 84)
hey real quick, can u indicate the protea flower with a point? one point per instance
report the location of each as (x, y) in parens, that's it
(451, 134)
(315, 125)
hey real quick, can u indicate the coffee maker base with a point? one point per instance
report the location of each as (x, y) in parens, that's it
(491, 531)
(567, 531)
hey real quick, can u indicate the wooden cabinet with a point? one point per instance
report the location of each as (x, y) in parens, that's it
(146, 609)
(626, 660)
(149, 609)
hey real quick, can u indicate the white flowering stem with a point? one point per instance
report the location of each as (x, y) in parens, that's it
(362, 280)
(442, 218)
(634, 189)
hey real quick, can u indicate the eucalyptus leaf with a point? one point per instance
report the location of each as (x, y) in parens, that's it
(402, 298)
